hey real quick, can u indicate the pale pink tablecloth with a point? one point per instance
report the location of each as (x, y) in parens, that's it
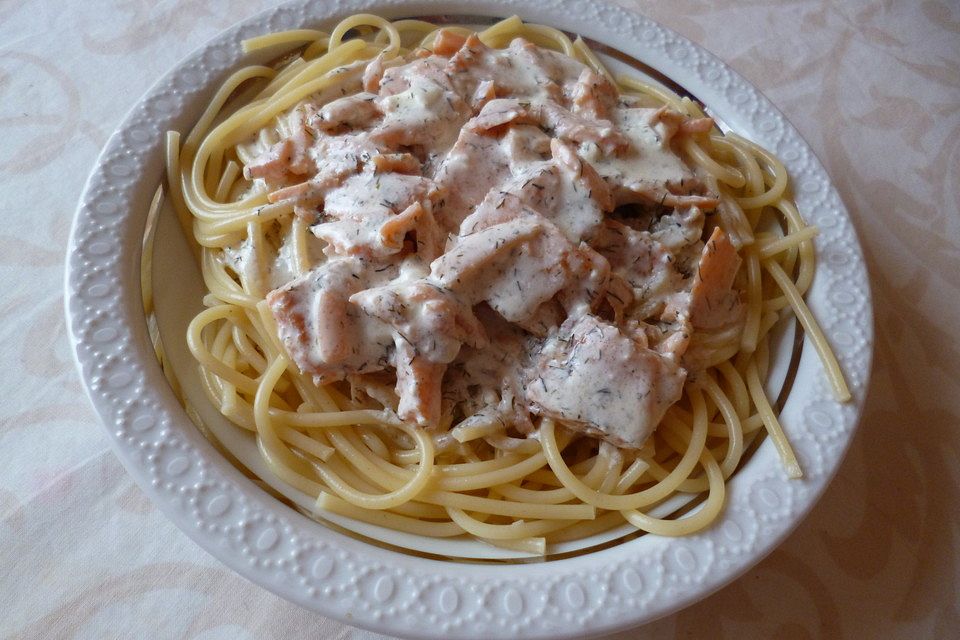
(873, 86)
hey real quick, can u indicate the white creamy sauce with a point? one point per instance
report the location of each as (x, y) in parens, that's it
(317, 304)
(466, 205)
(648, 150)
(275, 261)
(590, 374)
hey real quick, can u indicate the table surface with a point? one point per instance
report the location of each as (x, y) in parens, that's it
(873, 86)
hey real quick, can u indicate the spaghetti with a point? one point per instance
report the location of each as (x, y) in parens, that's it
(472, 475)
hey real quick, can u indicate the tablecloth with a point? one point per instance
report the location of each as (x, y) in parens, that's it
(874, 86)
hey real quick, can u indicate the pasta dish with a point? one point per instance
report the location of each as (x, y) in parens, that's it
(472, 284)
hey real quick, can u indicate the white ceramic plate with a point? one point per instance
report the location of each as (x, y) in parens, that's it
(394, 587)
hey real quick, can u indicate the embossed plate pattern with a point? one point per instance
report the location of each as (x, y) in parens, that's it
(396, 593)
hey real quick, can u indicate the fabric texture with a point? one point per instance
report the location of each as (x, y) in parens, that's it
(873, 86)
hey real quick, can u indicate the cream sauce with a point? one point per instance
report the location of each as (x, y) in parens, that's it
(595, 377)
(467, 209)
(325, 334)
(272, 260)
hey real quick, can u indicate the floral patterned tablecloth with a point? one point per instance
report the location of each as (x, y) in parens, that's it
(873, 85)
